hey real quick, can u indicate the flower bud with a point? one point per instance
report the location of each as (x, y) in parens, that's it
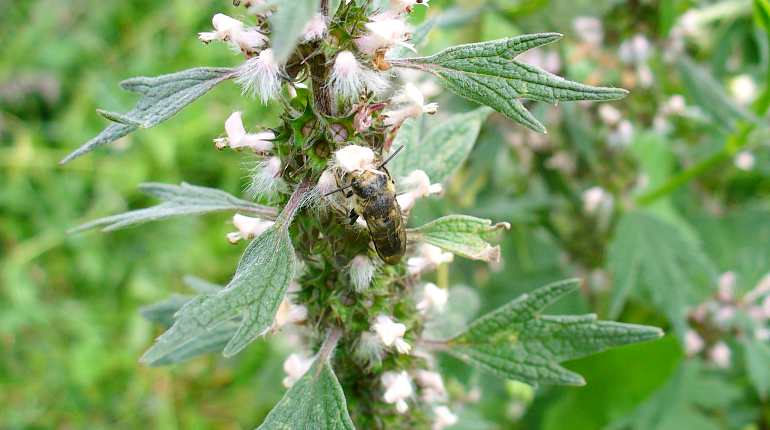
(391, 333)
(410, 104)
(295, 367)
(354, 158)
(361, 272)
(248, 228)
(237, 138)
(258, 76)
(434, 299)
(398, 388)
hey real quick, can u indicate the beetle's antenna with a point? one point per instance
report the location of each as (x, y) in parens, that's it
(338, 190)
(392, 156)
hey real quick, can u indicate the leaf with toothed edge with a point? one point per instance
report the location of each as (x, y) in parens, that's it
(462, 235)
(315, 401)
(178, 200)
(162, 97)
(255, 293)
(517, 342)
(488, 73)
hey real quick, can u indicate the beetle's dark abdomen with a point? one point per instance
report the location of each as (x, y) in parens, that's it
(383, 216)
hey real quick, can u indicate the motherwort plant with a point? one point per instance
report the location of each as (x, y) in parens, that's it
(329, 255)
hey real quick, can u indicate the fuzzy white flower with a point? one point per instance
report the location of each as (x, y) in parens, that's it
(391, 333)
(248, 228)
(410, 104)
(295, 367)
(384, 31)
(289, 313)
(237, 138)
(349, 79)
(743, 89)
(434, 299)
(418, 186)
(398, 388)
(596, 199)
(675, 105)
(406, 6)
(589, 29)
(744, 160)
(245, 39)
(428, 257)
(431, 385)
(622, 135)
(361, 272)
(609, 114)
(693, 343)
(726, 287)
(265, 177)
(352, 158)
(720, 355)
(443, 418)
(636, 50)
(315, 28)
(327, 183)
(259, 76)
(369, 349)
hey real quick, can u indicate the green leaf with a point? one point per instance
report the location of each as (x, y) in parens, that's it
(462, 235)
(517, 342)
(652, 255)
(254, 293)
(162, 97)
(442, 150)
(178, 200)
(163, 313)
(762, 14)
(288, 23)
(709, 95)
(687, 401)
(757, 357)
(487, 73)
(315, 401)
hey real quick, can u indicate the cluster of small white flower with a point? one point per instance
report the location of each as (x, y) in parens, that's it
(399, 388)
(719, 317)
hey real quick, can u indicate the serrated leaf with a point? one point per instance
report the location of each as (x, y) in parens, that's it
(650, 254)
(462, 235)
(162, 97)
(442, 150)
(688, 400)
(178, 200)
(487, 73)
(255, 292)
(315, 401)
(517, 342)
(163, 313)
(288, 23)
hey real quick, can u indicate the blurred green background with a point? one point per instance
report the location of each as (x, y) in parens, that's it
(70, 331)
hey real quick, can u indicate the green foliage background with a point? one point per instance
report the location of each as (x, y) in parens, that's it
(70, 333)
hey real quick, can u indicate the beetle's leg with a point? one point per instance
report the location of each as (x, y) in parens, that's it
(353, 216)
(349, 194)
